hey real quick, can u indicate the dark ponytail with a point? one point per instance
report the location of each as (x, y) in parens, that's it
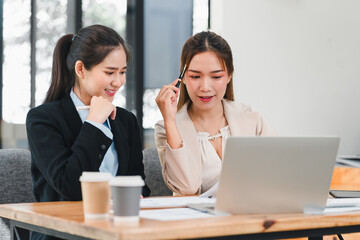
(90, 45)
(61, 79)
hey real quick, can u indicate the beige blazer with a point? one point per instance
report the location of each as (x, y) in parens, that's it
(182, 168)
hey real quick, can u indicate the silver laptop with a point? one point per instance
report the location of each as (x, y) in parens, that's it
(263, 175)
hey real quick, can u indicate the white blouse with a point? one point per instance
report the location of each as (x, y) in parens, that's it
(185, 170)
(211, 162)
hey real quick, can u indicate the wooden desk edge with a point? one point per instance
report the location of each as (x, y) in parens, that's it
(23, 213)
(151, 229)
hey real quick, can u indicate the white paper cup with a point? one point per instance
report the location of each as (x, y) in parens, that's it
(126, 191)
(95, 190)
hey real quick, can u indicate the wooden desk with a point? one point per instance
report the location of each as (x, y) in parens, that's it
(65, 219)
(346, 178)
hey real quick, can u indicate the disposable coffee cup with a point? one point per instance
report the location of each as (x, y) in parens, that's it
(95, 190)
(126, 192)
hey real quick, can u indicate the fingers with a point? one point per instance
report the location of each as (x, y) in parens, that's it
(178, 84)
(172, 86)
(168, 92)
(167, 101)
(101, 109)
(174, 83)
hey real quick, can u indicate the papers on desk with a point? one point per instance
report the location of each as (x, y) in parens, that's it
(168, 202)
(174, 208)
(341, 209)
(211, 192)
(172, 214)
(338, 205)
(343, 202)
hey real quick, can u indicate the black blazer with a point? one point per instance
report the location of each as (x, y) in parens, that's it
(62, 147)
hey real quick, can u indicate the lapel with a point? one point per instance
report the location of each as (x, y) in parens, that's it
(121, 145)
(71, 115)
(188, 132)
(241, 120)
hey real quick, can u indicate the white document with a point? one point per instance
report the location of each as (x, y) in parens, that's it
(211, 192)
(166, 202)
(341, 205)
(343, 202)
(341, 209)
(173, 214)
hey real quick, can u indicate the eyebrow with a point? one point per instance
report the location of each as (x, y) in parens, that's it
(216, 71)
(115, 68)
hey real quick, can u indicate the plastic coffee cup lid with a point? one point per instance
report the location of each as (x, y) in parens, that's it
(127, 181)
(95, 177)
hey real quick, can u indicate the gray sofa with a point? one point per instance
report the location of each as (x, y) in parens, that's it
(15, 184)
(154, 178)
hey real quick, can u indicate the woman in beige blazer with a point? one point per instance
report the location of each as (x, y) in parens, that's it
(191, 138)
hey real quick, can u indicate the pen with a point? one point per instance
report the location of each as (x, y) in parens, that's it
(80, 108)
(181, 76)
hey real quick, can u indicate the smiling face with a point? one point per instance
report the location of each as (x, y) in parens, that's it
(206, 80)
(103, 79)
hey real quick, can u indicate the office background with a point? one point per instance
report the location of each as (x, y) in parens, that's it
(297, 62)
(154, 29)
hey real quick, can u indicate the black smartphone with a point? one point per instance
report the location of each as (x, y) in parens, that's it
(344, 194)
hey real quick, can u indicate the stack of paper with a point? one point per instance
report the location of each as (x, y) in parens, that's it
(337, 205)
(174, 208)
(168, 202)
(172, 214)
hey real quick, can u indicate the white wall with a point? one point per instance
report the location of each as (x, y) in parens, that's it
(297, 62)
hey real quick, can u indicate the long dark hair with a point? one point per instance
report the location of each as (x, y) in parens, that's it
(204, 42)
(90, 45)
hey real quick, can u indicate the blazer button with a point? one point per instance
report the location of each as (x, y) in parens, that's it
(103, 147)
(100, 156)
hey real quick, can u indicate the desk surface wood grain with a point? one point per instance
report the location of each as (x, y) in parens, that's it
(346, 178)
(68, 217)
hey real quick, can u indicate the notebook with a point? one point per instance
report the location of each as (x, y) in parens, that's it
(262, 175)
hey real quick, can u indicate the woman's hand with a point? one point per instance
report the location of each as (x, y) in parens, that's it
(167, 101)
(101, 109)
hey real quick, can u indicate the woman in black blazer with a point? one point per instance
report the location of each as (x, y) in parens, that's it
(64, 139)
(88, 69)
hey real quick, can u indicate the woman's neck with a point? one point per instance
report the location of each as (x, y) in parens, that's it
(208, 115)
(77, 91)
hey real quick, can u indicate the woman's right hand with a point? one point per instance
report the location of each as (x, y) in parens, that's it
(101, 109)
(167, 101)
